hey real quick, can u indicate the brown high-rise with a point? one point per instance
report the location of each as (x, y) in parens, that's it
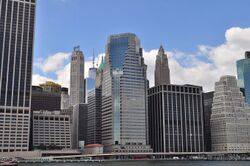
(162, 74)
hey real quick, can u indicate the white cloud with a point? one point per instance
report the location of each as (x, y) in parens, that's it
(60, 68)
(203, 68)
(52, 63)
(38, 79)
(221, 60)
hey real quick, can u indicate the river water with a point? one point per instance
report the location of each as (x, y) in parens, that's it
(148, 163)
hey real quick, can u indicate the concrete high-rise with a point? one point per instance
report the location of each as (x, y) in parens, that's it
(77, 99)
(64, 99)
(162, 73)
(243, 73)
(51, 129)
(124, 95)
(77, 90)
(230, 118)
(176, 118)
(17, 19)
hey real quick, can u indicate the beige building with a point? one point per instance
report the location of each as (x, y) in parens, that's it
(51, 128)
(230, 118)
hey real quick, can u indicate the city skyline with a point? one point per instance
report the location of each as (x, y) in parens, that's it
(191, 51)
(128, 101)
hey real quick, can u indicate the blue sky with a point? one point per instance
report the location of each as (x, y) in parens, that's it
(180, 25)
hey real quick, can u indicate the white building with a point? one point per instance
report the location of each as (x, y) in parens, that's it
(51, 128)
(230, 118)
(65, 99)
(77, 88)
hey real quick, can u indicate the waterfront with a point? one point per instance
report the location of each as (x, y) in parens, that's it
(147, 163)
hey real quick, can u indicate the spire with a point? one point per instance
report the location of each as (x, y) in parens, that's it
(161, 49)
(93, 58)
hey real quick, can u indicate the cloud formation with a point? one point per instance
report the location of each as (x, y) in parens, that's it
(52, 63)
(59, 65)
(204, 67)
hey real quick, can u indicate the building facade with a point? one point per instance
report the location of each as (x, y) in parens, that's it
(94, 130)
(230, 118)
(17, 19)
(79, 125)
(77, 85)
(64, 99)
(51, 129)
(243, 74)
(91, 80)
(176, 118)
(44, 100)
(207, 101)
(124, 95)
(162, 73)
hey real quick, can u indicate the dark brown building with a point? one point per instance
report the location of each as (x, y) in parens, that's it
(42, 100)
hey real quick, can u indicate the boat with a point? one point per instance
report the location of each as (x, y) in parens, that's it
(9, 162)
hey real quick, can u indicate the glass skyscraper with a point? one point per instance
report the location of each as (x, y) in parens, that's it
(243, 73)
(124, 95)
(17, 19)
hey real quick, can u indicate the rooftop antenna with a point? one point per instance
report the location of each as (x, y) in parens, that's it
(93, 58)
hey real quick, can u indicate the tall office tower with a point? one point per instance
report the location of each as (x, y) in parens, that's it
(207, 101)
(230, 118)
(123, 95)
(94, 116)
(162, 74)
(243, 73)
(77, 90)
(94, 131)
(176, 118)
(90, 80)
(64, 99)
(79, 125)
(17, 19)
(99, 74)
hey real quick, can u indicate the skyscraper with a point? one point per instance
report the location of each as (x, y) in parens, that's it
(176, 118)
(124, 95)
(243, 73)
(162, 74)
(77, 90)
(94, 116)
(230, 118)
(207, 101)
(64, 99)
(91, 80)
(17, 19)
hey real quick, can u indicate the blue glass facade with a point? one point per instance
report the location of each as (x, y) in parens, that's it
(118, 48)
(124, 93)
(243, 72)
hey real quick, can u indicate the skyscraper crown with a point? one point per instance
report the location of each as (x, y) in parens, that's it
(247, 54)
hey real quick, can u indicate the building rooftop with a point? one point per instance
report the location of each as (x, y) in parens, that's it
(93, 146)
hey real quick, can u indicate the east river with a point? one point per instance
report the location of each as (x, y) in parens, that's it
(147, 163)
